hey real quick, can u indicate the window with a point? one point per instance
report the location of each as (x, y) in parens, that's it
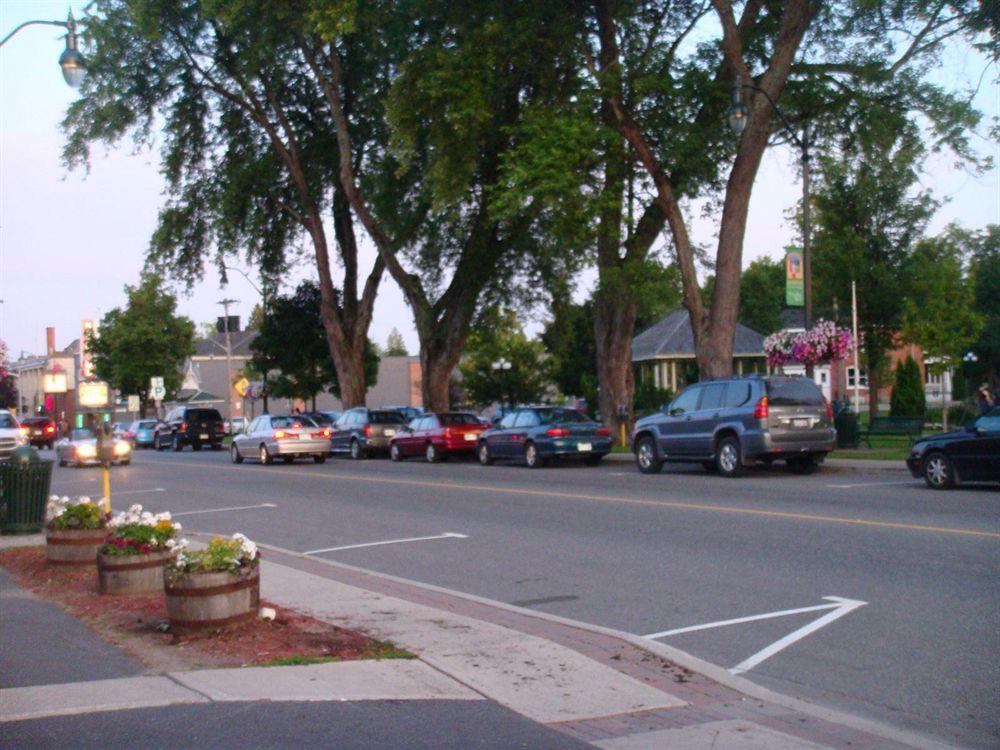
(989, 423)
(562, 415)
(686, 402)
(296, 421)
(452, 420)
(737, 394)
(7, 422)
(386, 417)
(712, 396)
(527, 418)
(862, 382)
(793, 392)
(508, 421)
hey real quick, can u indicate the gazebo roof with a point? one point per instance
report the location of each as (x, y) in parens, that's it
(672, 338)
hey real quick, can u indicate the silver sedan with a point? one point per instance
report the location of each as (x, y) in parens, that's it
(80, 449)
(287, 437)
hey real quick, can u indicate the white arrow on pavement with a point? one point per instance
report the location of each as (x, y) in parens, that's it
(839, 607)
(445, 535)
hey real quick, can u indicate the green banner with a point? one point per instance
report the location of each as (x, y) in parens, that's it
(795, 292)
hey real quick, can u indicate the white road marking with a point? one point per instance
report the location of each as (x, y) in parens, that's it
(221, 510)
(137, 492)
(839, 605)
(445, 535)
(618, 474)
(846, 606)
(871, 484)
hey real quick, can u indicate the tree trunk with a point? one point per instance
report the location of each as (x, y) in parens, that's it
(614, 326)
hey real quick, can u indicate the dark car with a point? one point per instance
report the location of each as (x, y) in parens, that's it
(361, 432)
(729, 424)
(969, 455)
(437, 436)
(40, 431)
(537, 434)
(190, 425)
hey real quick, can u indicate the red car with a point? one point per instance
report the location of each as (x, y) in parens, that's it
(40, 431)
(437, 436)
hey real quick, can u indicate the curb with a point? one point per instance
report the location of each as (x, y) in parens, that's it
(681, 658)
(852, 464)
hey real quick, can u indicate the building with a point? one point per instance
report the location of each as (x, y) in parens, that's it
(664, 352)
(33, 372)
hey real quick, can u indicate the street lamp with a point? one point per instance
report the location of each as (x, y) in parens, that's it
(738, 115)
(498, 366)
(969, 359)
(72, 62)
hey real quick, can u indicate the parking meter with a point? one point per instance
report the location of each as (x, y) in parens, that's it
(106, 455)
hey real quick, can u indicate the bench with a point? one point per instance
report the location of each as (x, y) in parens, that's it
(908, 427)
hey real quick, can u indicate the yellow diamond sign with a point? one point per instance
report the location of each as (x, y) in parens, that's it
(241, 386)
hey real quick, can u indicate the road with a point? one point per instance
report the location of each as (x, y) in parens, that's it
(910, 637)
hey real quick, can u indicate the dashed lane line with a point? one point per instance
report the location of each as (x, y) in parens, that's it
(675, 504)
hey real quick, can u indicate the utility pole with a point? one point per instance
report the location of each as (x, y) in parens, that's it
(229, 363)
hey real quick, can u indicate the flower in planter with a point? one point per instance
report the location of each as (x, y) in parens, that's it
(138, 532)
(64, 513)
(220, 556)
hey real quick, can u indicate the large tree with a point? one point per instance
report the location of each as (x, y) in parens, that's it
(247, 148)
(502, 364)
(145, 339)
(8, 383)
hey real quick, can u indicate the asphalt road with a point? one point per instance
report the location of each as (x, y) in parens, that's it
(648, 554)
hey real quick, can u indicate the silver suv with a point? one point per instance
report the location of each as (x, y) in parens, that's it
(727, 425)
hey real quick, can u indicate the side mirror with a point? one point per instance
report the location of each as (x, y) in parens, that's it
(676, 412)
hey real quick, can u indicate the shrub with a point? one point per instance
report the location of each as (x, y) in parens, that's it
(137, 532)
(648, 398)
(64, 514)
(907, 398)
(221, 555)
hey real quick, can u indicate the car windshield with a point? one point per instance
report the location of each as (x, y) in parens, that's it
(793, 392)
(7, 422)
(386, 417)
(82, 434)
(299, 420)
(146, 425)
(561, 415)
(320, 418)
(457, 419)
(203, 415)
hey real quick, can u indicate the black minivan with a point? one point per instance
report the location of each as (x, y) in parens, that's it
(727, 425)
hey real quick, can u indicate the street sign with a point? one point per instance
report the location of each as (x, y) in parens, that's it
(241, 386)
(156, 389)
(133, 403)
(93, 394)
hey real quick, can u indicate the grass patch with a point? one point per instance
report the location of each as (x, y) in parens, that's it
(297, 661)
(872, 454)
(379, 650)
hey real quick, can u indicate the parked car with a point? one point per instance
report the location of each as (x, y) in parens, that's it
(953, 458)
(361, 432)
(537, 434)
(238, 424)
(80, 449)
(122, 431)
(143, 433)
(11, 435)
(284, 436)
(40, 431)
(728, 424)
(409, 412)
(322, 418)
(190, 425)
(437, 436)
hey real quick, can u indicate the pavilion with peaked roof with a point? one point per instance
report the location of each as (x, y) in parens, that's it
(664, 352)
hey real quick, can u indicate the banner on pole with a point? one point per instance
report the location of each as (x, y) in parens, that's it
(795, 291)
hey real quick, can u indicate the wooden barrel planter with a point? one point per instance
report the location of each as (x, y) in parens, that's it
(132, 574)
(73, 546)
(207, 601)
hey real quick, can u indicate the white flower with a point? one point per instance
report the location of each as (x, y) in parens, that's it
(177, 527)
(248, 548)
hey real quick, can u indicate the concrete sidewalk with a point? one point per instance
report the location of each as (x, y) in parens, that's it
(606, 688)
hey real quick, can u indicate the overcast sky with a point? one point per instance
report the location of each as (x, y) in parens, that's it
(70, 241)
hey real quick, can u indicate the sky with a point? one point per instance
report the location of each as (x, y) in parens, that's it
(71, 241)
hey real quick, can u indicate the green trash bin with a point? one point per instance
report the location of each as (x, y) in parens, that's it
(848, 429)
(24, 493)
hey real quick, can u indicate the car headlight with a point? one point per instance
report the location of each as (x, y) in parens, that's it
(86, 450)
(122, 448)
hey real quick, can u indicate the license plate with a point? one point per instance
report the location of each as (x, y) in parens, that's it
(36, 432)
(203, 436)
(390, 433)
(584, 447)
(800, 422)
(470, 437)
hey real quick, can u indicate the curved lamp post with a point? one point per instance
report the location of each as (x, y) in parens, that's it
(499, 367)
(737, 116)
(72, 62)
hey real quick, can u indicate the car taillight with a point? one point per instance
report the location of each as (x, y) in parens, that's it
(829, 410)
(557, 432)
(279, 434)
(447, 432)
(50, 429)
(184, 426)
(326, 433)
(602, 432)
(760, 410)
(368, 430)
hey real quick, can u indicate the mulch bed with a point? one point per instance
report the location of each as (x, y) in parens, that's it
(136, 623)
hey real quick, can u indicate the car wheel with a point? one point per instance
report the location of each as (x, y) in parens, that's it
(727, 457)
(938, 472)
(432, 454)
(484, 454)
(178, 446)
(532, 459)
(265, 457)
(394, 453)
(320, 459)
(357, 452)
(802, 465)
(126, 462)
(234, 453)
(645, 456)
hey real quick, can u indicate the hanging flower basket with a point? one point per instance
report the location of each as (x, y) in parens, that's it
(824, 342)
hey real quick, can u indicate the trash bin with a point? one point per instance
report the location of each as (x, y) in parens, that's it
(848, 429)
(24, 493)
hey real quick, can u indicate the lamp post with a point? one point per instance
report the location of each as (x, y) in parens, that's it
(499, 366)
(263, 297)
(969, 359)
(72, 62)
(737, 116)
